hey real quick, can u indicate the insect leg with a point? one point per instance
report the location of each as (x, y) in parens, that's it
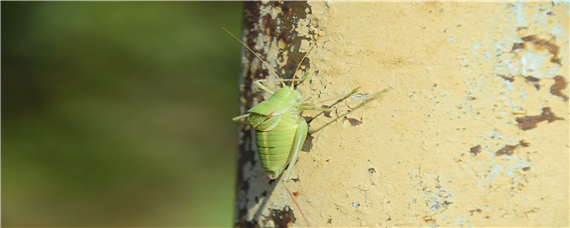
(237, 118)
(298, 79)
(311, 106)
(339, 97)
(300, 136)
(261, 86)
(304, 108)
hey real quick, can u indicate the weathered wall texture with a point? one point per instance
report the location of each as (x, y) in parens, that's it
(473, 132)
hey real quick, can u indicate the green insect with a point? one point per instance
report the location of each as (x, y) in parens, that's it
(280, 129)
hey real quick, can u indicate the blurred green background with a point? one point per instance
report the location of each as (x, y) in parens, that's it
(119, 113)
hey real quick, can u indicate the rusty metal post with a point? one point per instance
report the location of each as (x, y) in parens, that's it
(269, 30)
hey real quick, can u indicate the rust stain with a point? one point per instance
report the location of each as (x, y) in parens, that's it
(530, 122)
(550, 45)
(559, 84)
(510, 79)
(528, 79)
(284, 8)
(428, 219)
(475, 150)
(255, 25)
(296, 194)
(533, 80)
(524, 144)
(517, 46)
(282, 43)
(283, 38)
(268, 25)
(507, 150)
(282, 218)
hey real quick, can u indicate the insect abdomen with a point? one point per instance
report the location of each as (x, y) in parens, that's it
(274, 146)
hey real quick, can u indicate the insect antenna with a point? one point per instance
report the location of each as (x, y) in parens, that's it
(268, 67)
(294, 200)
(303, 59)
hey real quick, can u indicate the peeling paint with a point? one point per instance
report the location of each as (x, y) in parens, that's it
(268, 31)
(530, 122)
(462, 138)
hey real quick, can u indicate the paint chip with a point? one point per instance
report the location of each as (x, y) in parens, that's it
(530, 122)
(510, 79)
(282, 218)
(506, 150)
(532, 80)
(550, 45)
(559, 84)
(355, 204)
(475, 150)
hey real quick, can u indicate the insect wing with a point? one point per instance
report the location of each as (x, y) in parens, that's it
(274, 106)
(263, 122)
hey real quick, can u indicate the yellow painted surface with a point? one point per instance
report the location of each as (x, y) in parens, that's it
(443, 64)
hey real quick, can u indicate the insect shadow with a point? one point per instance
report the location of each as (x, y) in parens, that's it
(269, 186)
(368, 99)
(280, 132)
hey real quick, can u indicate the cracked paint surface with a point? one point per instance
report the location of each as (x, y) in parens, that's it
(443, 147)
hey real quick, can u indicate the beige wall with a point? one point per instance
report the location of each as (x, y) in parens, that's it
(456, 74)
